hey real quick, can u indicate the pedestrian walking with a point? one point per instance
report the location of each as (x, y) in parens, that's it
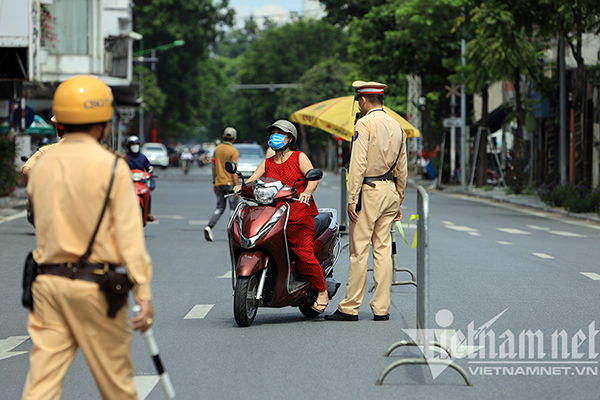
(376, 182)
(223, 182)
(87, 223)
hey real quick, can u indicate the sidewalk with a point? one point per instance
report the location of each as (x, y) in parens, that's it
(499, 195)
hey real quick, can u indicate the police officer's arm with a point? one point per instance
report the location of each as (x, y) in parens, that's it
(401, 170)
(129, 233)
(358, 161)
(28, 166)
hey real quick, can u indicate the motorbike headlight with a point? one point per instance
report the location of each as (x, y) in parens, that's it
(137, 176)
(264, 195)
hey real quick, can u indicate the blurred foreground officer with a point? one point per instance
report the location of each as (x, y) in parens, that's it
(376, 182)
(68, 188)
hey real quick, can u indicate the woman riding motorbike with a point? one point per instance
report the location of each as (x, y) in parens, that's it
(287, 166)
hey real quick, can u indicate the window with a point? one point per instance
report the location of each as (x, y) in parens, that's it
(72, 26)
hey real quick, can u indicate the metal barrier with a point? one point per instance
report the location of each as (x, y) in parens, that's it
(423, 337)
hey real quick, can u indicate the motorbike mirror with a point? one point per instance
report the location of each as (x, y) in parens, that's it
(314, 174)
(150, 169)
(24, 159)
(230, 167)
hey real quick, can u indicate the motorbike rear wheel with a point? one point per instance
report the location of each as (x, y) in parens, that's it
(245, 304)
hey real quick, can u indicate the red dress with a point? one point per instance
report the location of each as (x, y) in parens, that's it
(301, 226)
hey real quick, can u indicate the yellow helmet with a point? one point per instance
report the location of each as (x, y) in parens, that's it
(83, 99)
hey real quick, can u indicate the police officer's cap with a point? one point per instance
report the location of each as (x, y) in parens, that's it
(362, 87)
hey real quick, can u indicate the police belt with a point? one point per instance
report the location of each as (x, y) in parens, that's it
(388, 176)
(84, 272)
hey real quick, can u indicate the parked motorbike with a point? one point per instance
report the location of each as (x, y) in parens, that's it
(264, 271)
(141, 183)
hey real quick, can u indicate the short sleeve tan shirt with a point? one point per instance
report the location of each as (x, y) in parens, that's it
(376, 142)
(224, 152)
(67, 189)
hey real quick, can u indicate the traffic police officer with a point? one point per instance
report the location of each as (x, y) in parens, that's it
(376, 181)
(67, 188)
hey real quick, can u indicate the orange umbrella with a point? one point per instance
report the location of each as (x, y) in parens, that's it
(335, 116)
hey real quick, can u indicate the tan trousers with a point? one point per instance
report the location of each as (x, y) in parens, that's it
(379, 207)
(70, 314)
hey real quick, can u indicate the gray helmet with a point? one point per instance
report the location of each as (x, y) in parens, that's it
(286, 126)
(229, 133)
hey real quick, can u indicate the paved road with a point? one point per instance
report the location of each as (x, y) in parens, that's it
(537, 273)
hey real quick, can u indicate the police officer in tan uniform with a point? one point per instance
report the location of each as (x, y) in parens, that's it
(67, 188)
(376, 181)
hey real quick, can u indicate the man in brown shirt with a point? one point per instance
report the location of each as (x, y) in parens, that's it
(377, 178)
(67, 189)
(223, 182)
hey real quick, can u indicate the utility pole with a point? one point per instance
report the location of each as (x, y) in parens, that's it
(463, 128)
(562, 134)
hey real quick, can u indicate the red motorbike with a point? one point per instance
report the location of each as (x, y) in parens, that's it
(141, 183)
(264, 272)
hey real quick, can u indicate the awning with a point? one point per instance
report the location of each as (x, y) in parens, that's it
(495, 119)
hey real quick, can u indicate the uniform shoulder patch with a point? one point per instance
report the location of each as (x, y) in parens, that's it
(355, 136)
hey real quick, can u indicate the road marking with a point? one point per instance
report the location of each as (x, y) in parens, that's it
(542, 255)
(335, 188)
(504, 243)
(13, 217)
(474, 233)
(144, 384)
(567, 234)
(169, 216)
(412, 226)
(198, 222)
(199, 311)
(10, 343)
(538, 228)
(460, 228)
(513, 231)
(591, 275)
(226, 275)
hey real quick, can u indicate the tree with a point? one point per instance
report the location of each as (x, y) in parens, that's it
(280, 54)
(400, 37)
(181, 71)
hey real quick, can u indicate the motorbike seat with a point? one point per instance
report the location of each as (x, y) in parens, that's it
(322, 221)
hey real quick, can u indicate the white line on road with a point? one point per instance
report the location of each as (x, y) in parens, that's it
(504, 243)
(538, 228)
(169, 216)
(567, 234)
(226, 275)
(542, 255)
(196, 222)
(199, 311)
(10, 343)
(144, 384)
(513, 231)
(591, 275)
(474, 233)
(13, 217)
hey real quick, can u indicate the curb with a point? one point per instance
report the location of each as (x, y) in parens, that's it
(499, 196)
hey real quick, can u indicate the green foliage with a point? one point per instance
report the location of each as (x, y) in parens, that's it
(517, 179)
(181, 70)
(281, 54)
(575, 197)
(9, 178)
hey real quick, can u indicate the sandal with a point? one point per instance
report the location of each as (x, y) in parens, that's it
(319, 310)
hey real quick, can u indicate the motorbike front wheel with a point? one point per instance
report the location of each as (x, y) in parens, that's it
(245, 304)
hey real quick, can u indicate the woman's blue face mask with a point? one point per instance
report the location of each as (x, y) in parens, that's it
(277, 141)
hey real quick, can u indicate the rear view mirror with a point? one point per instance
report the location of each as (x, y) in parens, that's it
(230, 167)
(314, 174)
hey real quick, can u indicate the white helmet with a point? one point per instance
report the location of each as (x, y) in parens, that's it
(229, 133)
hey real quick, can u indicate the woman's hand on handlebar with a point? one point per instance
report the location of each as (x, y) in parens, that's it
(304, 198)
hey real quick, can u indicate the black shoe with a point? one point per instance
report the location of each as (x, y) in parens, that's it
(381, 317)
(208, 234)
(340, 316)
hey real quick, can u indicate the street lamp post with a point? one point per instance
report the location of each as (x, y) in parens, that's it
(141, 59)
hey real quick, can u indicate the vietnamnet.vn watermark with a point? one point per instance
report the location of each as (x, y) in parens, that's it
(507, 353)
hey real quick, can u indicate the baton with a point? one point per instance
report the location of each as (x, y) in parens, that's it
(165, 381)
